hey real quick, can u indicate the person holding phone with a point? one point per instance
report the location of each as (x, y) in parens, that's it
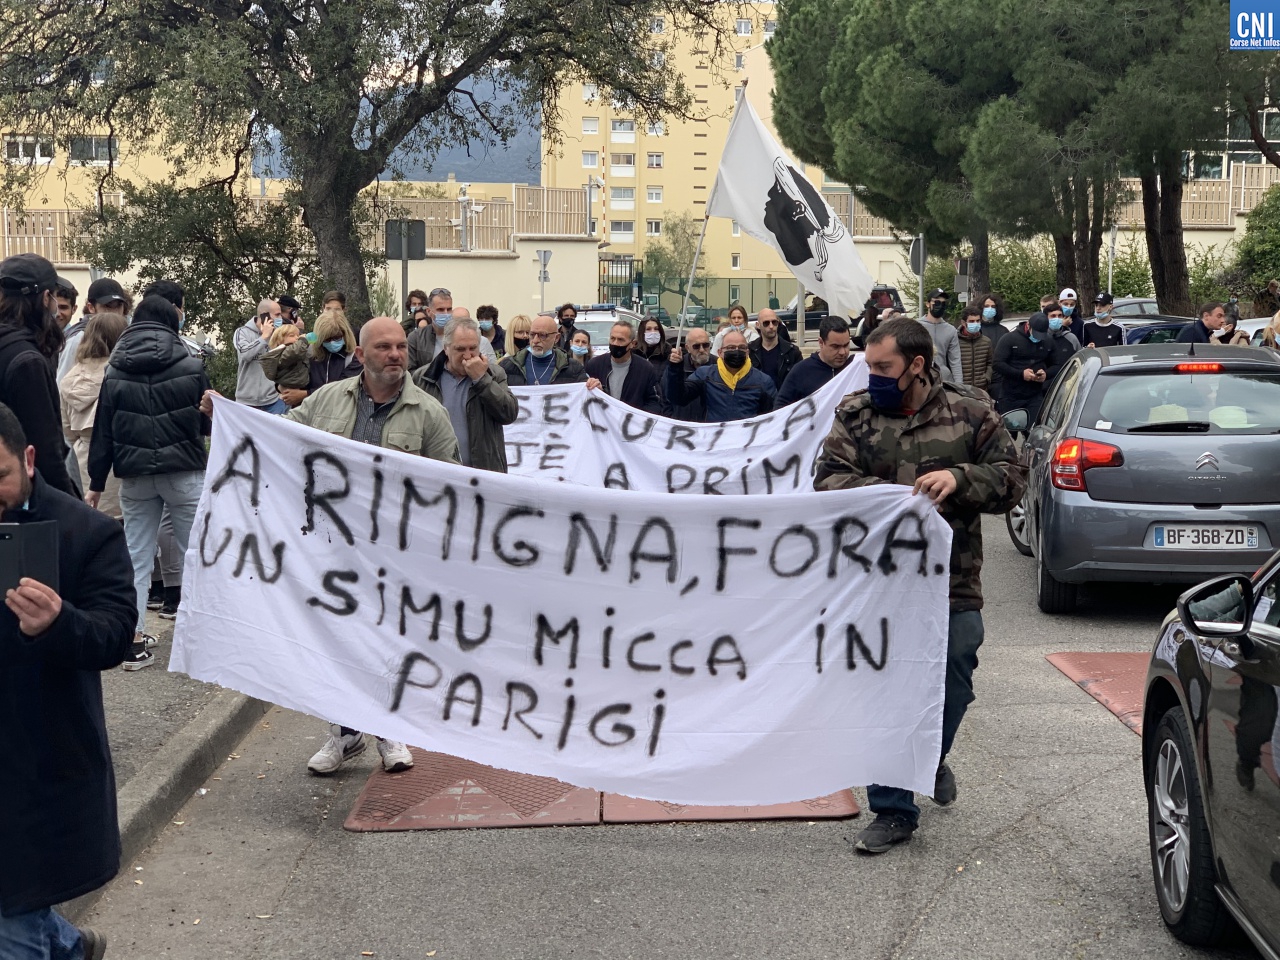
(57, 786)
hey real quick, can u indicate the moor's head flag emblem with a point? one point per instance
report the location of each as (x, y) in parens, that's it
(799, 219)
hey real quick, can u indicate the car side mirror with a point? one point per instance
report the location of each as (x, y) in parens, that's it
(1016, 421)
(1221, 607)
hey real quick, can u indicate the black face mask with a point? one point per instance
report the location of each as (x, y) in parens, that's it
(520, 342)
(936, 310)
(618, 352)
(734, 359)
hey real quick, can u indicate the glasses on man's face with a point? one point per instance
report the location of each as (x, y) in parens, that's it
(768, 323)
(699, 346)
(541, 336)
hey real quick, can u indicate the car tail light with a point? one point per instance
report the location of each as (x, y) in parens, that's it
(1073, 457)
(1198, 368)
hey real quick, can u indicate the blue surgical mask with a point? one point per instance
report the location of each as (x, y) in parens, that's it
(973, 327)
(486, 325)
(1055, 323)
(579, 349)
(988, 313)
(277, 322)
(1034, 338)
(335, 346)
(1068, 309)
(885, 392)
(441, 319)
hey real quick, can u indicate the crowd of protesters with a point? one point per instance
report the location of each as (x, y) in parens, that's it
(104, 418)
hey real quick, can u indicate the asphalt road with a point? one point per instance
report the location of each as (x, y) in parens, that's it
(1043, 854)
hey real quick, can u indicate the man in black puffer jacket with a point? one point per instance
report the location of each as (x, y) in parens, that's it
(150, 431)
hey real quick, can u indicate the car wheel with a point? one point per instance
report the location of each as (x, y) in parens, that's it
(1181, 850)
(1052, 595)
(1016, 521)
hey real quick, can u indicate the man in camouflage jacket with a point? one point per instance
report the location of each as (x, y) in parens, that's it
(946, 441)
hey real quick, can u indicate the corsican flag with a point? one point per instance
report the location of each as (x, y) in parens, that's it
(759, 186)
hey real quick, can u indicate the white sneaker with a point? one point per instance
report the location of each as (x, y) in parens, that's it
(336, 751)
(395, 756)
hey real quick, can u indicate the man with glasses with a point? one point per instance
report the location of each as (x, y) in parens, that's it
(542, 363)
(818, 369)
(697, 353)
(771, 354)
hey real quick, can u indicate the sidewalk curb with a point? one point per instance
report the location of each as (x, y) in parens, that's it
(160, 788)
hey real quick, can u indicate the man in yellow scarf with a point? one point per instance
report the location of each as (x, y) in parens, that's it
(731, 387)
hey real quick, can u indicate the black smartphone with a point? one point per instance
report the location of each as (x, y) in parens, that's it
(28, 550)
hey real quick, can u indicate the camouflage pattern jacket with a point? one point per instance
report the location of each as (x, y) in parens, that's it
(955, 429)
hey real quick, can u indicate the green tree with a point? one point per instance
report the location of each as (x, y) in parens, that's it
(880, 93)
(1258, 252)
(667, 260)
(340, 85)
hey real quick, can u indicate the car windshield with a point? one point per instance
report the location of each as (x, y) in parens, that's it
(1224, 403)
(598, 330)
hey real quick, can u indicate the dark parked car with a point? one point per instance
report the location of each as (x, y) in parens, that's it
(1211, 746)
(1152, 464)
(1149, 329)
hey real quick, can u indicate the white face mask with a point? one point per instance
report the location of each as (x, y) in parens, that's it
(652, 337)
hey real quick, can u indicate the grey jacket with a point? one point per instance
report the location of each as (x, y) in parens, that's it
(946, 349)
(490, 406)
(252, 385)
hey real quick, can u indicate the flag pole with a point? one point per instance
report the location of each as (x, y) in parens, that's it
(706, 218)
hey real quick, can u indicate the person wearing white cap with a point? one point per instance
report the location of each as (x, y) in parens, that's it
(1067, 299)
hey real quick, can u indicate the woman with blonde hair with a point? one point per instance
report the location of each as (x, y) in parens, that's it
(330, 357)
(518, 333)
(1271, 333)
(79, 391)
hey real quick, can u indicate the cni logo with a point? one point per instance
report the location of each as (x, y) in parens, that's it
(1253, 24)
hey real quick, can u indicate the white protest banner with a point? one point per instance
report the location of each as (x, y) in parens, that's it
(759, 186)
(589, 438)
(741, 650)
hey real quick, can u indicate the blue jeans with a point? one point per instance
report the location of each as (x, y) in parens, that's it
(39, 935)
(964, 637)
(278, 407)
(142, 501)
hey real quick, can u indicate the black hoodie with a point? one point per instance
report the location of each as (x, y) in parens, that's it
(27, 387)
(149, 421)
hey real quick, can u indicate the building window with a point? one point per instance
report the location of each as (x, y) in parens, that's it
(590, 125)
(27, 150)
(653, 194)
(743, 28)
(739, 61)
(735, 293)
(735, 261)
(770, 27)
(653, 161)
(622, 193)
(590, 91)
(94, 149)
(590, 159)
(658, 25)
(622, 159)
(595, 225)
(622, 228)
(658, 59)
(656, 129)
(622, 131)
(734, 229)
(653, 228)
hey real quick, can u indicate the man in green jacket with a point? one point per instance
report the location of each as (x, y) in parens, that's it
(944, 440)
(384, 408)
(475, 394)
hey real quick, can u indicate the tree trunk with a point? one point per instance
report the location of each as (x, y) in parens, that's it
(1173, 250)
(1062, 247)
(1151, 210)
(328, 203)
(980, 264)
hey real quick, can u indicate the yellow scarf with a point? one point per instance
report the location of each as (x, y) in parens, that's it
(729, 377)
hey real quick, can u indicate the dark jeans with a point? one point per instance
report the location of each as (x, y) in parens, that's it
(964, 637)
(39, 935)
